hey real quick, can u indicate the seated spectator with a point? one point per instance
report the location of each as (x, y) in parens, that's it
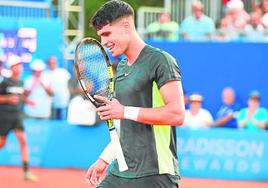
(262, 8)
(38, 91)
(198, 26)
(235, 19)
(254, 31)
(225, 32)
(253, 117)
(197, 117)
(226, 116)
(163, 29)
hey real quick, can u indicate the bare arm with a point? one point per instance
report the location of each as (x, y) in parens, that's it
(172, 113)
(12, 99)
(222, 121)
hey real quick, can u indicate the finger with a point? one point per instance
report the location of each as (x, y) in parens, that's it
(88, 181)
(105, 117)
(88, 174)
(104, 108)
(95, 177)
(104, 113)
(102, 99)
(102, 175)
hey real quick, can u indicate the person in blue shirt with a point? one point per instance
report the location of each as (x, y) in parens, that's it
(198, 26)
(226, 116)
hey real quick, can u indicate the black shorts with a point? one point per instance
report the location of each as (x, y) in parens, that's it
(155, 181)
(7, 125)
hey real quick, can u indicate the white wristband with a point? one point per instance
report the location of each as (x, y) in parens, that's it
(108, 154)
(131, 113)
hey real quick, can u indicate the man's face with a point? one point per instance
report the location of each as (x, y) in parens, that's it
(197, 12)
(228, 97)
(16, 69)
(115, 37)
(52, 63)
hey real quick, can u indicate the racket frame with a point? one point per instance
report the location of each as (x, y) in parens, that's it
(113, 134)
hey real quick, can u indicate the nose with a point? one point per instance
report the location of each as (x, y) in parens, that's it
(104, 42)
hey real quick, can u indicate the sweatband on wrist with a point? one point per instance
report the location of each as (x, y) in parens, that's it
(131, 113)
(108, 154)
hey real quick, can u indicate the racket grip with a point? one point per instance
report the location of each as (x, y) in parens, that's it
(118, 151)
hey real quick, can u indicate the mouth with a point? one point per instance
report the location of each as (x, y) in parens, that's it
(110, 48)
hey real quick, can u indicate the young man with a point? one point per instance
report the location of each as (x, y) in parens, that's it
(148, 101)
(11, 97)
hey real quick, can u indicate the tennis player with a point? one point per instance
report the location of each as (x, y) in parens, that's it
(11, 98)
(149, 102)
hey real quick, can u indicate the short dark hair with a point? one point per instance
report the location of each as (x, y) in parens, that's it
(111, 11)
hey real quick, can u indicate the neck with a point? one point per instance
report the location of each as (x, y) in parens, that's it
(15, 77)
(135, 47)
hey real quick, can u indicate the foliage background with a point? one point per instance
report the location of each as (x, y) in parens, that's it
(91, 6)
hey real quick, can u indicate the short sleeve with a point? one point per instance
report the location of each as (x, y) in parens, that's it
(165, 69)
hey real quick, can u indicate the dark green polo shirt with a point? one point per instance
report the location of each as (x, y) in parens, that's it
(148, 149)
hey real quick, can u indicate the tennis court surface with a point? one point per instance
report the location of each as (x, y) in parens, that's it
(12, 177)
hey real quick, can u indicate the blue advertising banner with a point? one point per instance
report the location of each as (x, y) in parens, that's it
(223, 153)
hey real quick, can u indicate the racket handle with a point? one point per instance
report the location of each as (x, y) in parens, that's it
(118, 151)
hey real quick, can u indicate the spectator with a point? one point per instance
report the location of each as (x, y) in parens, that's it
(198, 26)
(38, 92)
(80, 110)
(253, 117)
(254, 31)
(163, 28)
(11, 98)
(226, 116)
(235, 19)
(196, 116)
(59, 81)
(74, 86)
(264, 11)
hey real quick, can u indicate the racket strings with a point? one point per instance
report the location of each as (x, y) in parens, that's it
(93, 69)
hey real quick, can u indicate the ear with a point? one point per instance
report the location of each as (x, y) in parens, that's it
(126, 26)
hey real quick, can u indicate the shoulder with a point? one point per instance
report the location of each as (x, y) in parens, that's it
(159, 55)
(262, 110)
(188, 19)
(207, 19)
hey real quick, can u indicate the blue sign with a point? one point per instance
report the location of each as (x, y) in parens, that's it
(223, 153)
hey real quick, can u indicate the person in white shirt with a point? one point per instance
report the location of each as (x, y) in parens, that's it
(59, 78)
(39, 92)
(196, 116)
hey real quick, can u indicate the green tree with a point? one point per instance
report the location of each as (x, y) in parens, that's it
(91, 6)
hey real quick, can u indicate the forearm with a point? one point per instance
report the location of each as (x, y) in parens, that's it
(166, 115)
(223, 120)
(3, 99)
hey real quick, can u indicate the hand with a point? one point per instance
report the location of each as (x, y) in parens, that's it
(97, 172)
(13, 99)
(112, 110)
(30, 103)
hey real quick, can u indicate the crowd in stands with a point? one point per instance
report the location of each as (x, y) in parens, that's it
(52, 91)
(235, 24)
(230, 114)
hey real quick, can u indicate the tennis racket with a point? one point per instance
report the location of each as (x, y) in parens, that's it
(95, 75)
